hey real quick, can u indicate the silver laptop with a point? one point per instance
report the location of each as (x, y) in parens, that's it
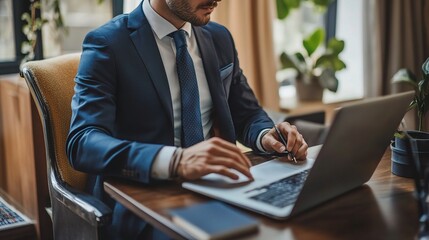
(356, 141)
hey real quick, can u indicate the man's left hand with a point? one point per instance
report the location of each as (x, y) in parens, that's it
(295, 142)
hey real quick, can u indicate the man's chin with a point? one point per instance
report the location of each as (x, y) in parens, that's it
(201, 21)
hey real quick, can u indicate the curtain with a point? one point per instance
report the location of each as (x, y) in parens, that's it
(250, 22)
(398, 38)
(400, 32)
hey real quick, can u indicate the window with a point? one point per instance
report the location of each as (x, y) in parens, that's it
(11, 35)
(7, 39)
(346, 25)
(79, 17)
(350, 28)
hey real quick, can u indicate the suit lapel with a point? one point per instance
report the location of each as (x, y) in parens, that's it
(147, 48)
(211, 67)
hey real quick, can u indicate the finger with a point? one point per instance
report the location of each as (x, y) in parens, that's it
(226, 149)
(198, 170)
(290, 134)
(302, 152)
(298, 144)
(272, 142)
(224, 171)
(231, 164)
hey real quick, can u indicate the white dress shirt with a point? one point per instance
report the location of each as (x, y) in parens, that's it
(167, 49)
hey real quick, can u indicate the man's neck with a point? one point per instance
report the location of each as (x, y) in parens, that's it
(161, 7)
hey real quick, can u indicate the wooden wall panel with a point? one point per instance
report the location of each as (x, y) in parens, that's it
(23, 165)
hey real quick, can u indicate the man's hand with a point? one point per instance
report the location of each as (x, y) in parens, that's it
(213, 156)
(295, 142)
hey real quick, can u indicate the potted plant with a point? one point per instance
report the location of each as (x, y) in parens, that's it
(316, 67)
(401, 158)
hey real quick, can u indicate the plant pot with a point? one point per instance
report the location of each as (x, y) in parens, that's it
(312, 91)
(402, 164)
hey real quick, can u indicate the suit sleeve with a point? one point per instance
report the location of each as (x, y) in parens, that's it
(91, 145)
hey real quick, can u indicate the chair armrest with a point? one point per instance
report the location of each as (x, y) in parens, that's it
(313, 133)
(84, 205)
(315, 117)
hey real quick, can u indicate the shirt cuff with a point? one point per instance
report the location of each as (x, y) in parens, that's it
(161, 163)
(259, 140)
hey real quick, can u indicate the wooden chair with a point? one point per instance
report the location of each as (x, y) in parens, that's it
(75, 214)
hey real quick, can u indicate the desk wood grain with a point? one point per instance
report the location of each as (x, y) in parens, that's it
(384, 208)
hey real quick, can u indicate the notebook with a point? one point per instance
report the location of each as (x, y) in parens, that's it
(354, 145)
(213, 220)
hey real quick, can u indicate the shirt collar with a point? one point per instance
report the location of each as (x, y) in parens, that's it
(160, 26)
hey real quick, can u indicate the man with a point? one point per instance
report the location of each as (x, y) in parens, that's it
(129, 116)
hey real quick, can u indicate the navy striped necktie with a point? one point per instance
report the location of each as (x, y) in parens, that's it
(192, 130)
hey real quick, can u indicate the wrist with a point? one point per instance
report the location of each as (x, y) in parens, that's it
(175, 162)
(260, 140)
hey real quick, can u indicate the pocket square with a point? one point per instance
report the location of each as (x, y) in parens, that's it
(226, 71)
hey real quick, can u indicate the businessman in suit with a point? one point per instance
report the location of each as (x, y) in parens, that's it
(128, 116)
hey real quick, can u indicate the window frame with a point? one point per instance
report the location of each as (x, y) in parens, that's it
(331, 21)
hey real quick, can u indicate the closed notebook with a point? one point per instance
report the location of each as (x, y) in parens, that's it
(213, 220)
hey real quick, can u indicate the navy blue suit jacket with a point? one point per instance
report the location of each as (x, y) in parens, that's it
(122, 111)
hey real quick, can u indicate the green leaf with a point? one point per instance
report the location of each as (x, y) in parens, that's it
(412, 105)
(399, 135)
(301, 62)
(426, 102)
(36, 5)
(26, 17)
(338, 64)
(293, 3)
(312, 42)
(285, 6)
(336, 45)
(300, 57)
(328, 80)
(324, 61)
(322, 3)
(423, 89)
(425, 69)
(26, 29)
(287, 61)
(282, 9)
(405, 76)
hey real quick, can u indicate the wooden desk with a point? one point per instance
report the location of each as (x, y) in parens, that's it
(384, 208)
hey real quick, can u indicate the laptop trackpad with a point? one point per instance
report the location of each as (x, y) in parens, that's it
(277, 168)
(269, 170)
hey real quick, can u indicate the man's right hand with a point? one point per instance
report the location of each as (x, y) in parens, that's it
(213, 156)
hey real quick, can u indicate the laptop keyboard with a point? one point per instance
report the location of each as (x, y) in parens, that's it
(282, 192)
(8, 216)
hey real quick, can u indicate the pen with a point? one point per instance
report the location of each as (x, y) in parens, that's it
(282, 139)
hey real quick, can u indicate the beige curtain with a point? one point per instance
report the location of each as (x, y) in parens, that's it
(398, 37)
(401, 33)
(250, 22)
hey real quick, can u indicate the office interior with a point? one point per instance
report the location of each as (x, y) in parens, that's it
(379, 38)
